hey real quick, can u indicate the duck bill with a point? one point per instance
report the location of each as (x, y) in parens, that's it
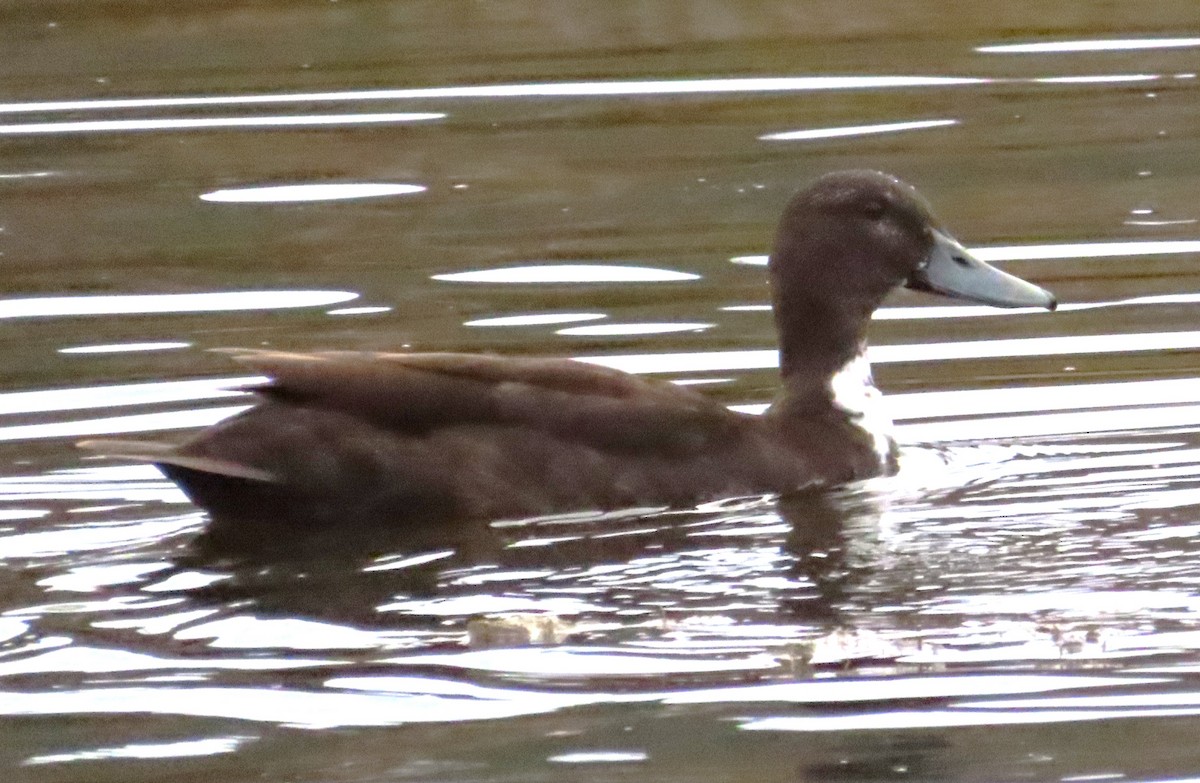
(952, 271)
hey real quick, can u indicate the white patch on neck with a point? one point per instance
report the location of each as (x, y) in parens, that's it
(854, 392)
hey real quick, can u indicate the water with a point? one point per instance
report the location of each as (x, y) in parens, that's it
(1020, 603)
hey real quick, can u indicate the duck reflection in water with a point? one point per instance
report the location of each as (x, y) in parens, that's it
(828, 549)
(395, 439)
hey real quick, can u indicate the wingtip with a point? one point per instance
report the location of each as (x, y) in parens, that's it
(165, 454)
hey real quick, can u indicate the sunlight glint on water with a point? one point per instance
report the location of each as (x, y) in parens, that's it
(129, 304)
(543, 90)
(202, 123)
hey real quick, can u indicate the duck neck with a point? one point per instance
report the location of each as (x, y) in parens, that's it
(817, 339)
(827, 384)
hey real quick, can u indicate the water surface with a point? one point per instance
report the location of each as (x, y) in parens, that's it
(1019, 603)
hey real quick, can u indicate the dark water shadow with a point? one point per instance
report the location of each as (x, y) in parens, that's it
(832, 535)
(345, 573)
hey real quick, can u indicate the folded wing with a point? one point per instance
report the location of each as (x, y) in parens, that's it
(421, 393)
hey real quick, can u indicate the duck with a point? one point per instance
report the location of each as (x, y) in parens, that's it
(390, 438)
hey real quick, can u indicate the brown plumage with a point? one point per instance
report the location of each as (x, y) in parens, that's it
(346, 436)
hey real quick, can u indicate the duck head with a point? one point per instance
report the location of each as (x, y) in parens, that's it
(848, 240)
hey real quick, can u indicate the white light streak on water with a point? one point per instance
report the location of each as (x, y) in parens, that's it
(396, 564)
(146, 422)
(568, 273)
(1112, 45)
(28, 175)
(601, 89)
(55, 543)
(300, 708)
(139, 304)
(908, 720)
(256, 633)
(211, 746)
(123, 348)
(899, 688)
(606, 330)
(95, 660)
(855, 130)
(371, 310)
(277, 194)
(89, 579)
(599, 757)
(85, 397)
(536, 319)
(1116, 78)
(198, 123)
(587, 662)
(1065, 397)
(1118, 249)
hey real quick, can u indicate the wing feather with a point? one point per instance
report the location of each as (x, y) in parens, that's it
(418, 393)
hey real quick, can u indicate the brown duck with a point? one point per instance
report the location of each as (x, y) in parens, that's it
(339, 437)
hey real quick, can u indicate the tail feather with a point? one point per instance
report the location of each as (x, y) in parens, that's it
(165, 454)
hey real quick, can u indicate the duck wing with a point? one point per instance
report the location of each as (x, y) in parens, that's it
(419, 393)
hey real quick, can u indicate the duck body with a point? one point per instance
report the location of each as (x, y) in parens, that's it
(347, 436)
(464, 436)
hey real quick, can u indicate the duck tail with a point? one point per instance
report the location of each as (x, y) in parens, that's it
(167, 456)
